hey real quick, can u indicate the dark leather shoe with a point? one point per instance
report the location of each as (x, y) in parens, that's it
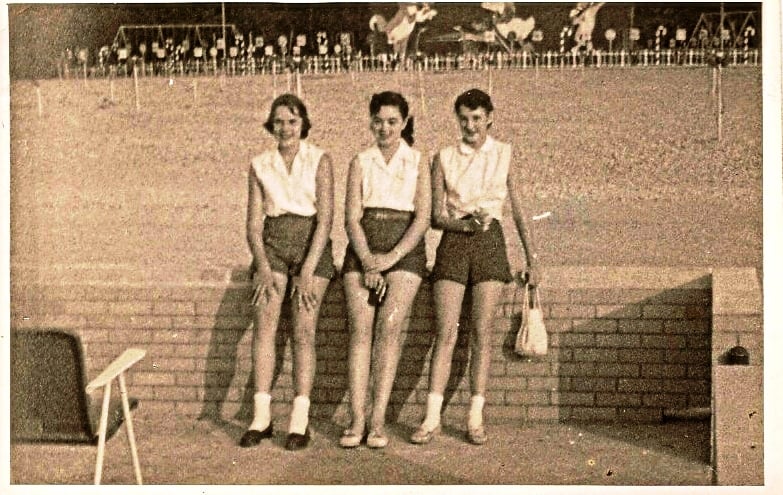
(297, 441)
(251, 438)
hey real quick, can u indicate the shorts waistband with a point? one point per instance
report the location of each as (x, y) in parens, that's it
(290, 216)
(386, 214)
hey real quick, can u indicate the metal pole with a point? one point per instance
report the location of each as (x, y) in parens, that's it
(720, 31)
(720, 104)
(136, 86)
(40, 100)
(223, 28)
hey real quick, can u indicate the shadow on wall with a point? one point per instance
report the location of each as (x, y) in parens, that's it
(229, 358)
(414, 356)
(411, 383)
(232, 319)
(637, 362)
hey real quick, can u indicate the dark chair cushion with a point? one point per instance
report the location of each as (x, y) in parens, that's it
(48, 398)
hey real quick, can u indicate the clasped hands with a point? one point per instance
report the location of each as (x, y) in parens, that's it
(374, 265)
(480, 220)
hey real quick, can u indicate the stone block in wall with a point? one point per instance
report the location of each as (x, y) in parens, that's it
(640, 326)
(662, 311)
(640, 414)
(619, 311)
(589, 413)
(617, 399)
(594, 326)
(543, 413)
(618, 340)
(585, 384)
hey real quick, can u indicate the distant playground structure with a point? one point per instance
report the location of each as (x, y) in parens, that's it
(500, 39)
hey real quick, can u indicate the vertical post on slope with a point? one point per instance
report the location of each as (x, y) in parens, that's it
(714, 81)
(489, 79)
(274, 79)
(535, 62)
(421, 95)
(40, 100)
(136, 86)
(720, 104)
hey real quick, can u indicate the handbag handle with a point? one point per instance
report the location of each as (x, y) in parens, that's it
(536, 298)
(536, 302)
(526, 306)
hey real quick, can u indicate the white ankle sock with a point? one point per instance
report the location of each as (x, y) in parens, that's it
(475, 416)
(261, 414)
(432, 418)
(299, 415)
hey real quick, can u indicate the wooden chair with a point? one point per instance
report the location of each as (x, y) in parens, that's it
(48, 399)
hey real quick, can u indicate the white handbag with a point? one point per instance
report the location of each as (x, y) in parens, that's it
(532, 338)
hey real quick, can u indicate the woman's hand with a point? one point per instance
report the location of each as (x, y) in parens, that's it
(302, 290)
(381, 262)
(264, 285)
(375, 281)
(483, 219)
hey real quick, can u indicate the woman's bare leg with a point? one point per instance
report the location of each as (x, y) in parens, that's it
(360, 317)
(392, 319)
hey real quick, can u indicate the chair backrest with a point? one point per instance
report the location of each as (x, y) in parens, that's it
(48, 401)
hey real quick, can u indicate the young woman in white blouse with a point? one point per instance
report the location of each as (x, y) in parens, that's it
(387, 212)
(470, 183)
(289, 220)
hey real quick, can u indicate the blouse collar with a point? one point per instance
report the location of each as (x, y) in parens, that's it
(466, 149)
(402, 153)
(278, 157)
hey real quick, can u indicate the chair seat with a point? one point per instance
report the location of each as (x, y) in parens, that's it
(48, 399)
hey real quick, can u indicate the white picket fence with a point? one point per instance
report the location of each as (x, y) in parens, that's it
(383, 63)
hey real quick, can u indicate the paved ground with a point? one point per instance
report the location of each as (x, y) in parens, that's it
(188, 452)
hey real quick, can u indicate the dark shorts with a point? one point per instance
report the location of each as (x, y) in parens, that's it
(287, 240)
(470, 258)
(383, 229)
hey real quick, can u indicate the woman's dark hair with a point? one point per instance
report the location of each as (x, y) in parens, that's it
(293, 103)
(392, 99)
(473, 99)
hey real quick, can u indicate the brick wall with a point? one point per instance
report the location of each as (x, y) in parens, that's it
(625, 343)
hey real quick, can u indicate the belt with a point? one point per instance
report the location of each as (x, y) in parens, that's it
(385, 214)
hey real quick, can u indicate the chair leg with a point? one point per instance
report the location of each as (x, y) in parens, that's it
(102, 426)
(129, 426)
